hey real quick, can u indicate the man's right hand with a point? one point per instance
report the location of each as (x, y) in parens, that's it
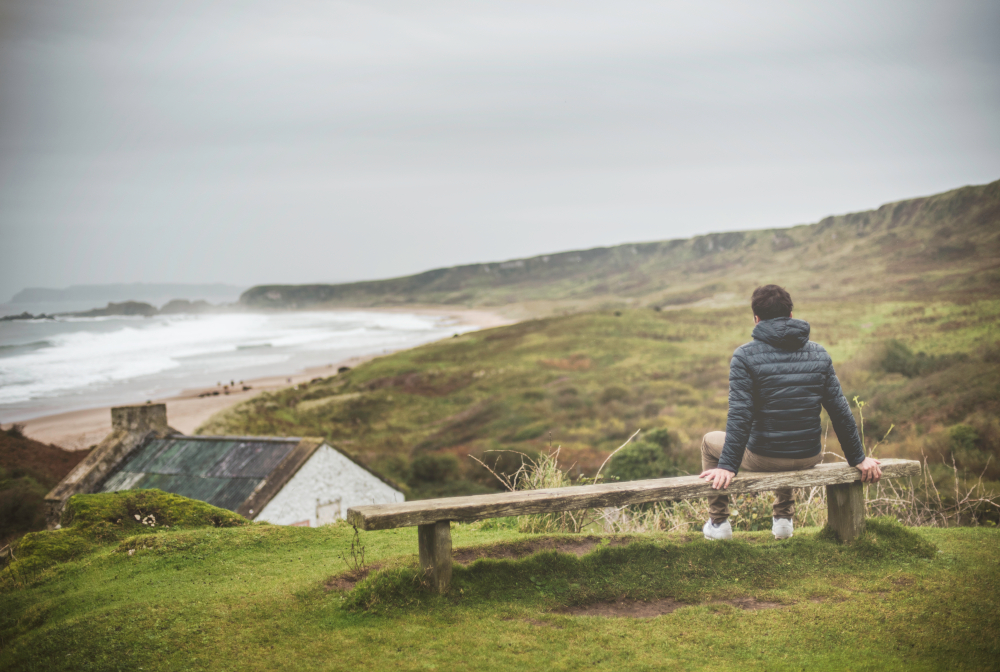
(870, 471)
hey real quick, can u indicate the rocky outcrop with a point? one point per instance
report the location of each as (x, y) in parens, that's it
(126, 308)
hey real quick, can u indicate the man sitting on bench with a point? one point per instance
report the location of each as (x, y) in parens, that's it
(777, 383)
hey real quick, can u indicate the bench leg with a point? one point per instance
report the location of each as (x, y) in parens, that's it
(845, 506)
(435, 553)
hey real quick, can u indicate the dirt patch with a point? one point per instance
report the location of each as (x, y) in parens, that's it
(653, 608)
(577, 546)
(348, 580)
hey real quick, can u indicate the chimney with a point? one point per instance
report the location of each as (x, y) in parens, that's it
(139, 419)
(130, 425)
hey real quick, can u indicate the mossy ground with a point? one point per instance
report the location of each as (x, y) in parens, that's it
(90, 520)
(258, 597)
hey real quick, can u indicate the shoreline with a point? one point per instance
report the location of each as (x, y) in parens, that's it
(186, 411)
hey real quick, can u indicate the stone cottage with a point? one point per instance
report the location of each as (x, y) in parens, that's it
(281, 480)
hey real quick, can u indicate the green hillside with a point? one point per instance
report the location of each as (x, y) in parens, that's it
(266, 597)
(944, 246)
(586, 381)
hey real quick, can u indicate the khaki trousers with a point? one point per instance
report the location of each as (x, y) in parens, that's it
(784, 501)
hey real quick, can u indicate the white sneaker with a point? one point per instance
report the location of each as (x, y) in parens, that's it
(781, 528)
(720, 531)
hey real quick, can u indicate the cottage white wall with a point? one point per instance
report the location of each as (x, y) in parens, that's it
(325, 478)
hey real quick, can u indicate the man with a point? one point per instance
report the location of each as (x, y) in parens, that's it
(777, 383)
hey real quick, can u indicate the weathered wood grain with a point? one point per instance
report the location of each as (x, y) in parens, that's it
(845, 506)
(434, 540)
(522, 502)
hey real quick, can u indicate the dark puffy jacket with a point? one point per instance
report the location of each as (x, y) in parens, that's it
(777, 383)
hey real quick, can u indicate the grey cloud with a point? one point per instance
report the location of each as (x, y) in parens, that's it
(303, 141)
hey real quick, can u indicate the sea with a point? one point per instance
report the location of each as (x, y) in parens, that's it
(72, 363)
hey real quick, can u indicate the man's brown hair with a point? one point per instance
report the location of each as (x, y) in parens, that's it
(771, 301)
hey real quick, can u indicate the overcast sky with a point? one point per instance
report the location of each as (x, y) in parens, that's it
(296, 141)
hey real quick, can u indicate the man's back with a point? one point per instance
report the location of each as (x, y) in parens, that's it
(777, 385)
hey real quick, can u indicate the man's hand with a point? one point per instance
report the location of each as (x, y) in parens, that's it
(870, 471)
(719, 478)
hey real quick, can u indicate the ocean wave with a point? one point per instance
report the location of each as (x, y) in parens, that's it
(115, 357)
(34, 345)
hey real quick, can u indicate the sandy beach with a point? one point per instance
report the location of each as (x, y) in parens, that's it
(78, 430)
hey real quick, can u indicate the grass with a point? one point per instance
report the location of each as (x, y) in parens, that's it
(256, 597)
(126, 517)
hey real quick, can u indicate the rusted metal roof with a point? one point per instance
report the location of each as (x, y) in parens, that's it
(220, 470)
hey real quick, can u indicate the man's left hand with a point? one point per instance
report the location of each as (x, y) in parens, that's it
(719, 478)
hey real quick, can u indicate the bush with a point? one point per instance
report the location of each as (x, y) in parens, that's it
(502, 464)
(641, 460)
(661, 437)
(429, 468)
(972, 452)
(898, 358)
(614, 393)
(395, 467)
(963, 438)
(21, 510)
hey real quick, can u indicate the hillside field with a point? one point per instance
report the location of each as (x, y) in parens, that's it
(584, 383)
(904, 297)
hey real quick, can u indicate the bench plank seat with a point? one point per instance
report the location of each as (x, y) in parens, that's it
(524, 502)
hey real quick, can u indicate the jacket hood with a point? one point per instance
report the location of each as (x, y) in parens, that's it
(786, 333)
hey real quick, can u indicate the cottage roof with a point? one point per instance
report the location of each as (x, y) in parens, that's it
(221, 470)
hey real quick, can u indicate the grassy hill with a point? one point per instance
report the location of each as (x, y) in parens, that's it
(264, 597)
(587, 381)
(945, 246)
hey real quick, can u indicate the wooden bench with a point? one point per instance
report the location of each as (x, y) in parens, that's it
(433, 517)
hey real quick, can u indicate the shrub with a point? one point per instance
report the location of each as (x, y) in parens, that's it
(641, 460)
(971, 452)
(430, 468)
(495, 467)
(395, 467)
(614, 393)
(898, 358)
(21, 510)
(529, 432)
